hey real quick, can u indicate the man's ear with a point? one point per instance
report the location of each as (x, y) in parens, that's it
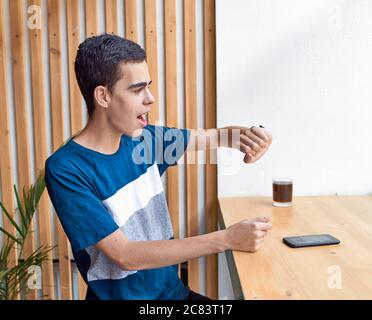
(102, 96)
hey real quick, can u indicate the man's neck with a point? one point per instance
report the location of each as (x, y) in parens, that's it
(98, 136)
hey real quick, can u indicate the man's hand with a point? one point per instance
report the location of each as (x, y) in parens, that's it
(247, 235)
(254, 142)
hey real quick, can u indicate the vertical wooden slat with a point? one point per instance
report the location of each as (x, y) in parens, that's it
(21, 116)
(82, 287)
(130, 8)
(6, 162)
(171, 114)
(39, 117)
(73, 40)
(91, 18)
(210, 116)
(191, 122)
(91, 26)
(64, 257)
(111, 16)
(91, 23)
(56, 105)
(152, 55)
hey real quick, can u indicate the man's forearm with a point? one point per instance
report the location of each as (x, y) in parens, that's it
(229, 136)
(207, 139)
(160, 253)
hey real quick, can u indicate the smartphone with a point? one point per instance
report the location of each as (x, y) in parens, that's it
(310, 240)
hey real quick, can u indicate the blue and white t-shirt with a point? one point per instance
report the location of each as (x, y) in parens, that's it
(94, 194)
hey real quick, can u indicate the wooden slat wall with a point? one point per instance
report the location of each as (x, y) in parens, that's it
(151, 48)
(210, 121)
(111, 16)
(56, 105)
(21, 115)
(91, 22)
(55, 73)
(73, 41)
(130, 11)
(75, 103)
(191, 122)
(91, 29)
(171, 113)
(6, 161)
(39, 117)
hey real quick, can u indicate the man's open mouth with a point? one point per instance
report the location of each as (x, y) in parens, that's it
(143, 119)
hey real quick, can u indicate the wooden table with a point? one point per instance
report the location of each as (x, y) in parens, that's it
(276, 271)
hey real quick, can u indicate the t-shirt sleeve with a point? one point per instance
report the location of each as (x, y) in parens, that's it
(170, 145)
(84, 218)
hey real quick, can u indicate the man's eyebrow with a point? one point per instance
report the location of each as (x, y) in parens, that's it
(139, 84)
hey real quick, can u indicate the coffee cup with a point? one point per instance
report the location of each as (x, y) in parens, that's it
(282, 192)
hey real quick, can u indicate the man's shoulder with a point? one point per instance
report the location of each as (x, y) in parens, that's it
(64, 158)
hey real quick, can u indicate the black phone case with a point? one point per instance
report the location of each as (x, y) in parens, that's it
(310, 240)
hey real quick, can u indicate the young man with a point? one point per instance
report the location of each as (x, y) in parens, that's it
(106, 188)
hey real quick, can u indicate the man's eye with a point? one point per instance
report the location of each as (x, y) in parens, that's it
(138, 90)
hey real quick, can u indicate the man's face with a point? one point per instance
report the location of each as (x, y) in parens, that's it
(131, 99)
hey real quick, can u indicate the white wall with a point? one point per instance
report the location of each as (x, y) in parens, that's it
(303, 69)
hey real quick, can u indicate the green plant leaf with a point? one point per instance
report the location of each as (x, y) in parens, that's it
(12, 221)
(3, 274)
(21, 212)
(4, 253)
(10, 235)
(29, 211)
(18, 275)
(39, 187)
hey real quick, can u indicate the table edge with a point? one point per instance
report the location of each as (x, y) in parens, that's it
(234, 276)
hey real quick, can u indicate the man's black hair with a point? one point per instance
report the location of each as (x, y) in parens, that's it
(98, 62)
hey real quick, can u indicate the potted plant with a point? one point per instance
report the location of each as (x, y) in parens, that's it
(14, 277)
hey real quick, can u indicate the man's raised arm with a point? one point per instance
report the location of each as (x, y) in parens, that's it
(254, 141)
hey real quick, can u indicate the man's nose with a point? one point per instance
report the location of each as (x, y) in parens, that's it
(149, 99)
